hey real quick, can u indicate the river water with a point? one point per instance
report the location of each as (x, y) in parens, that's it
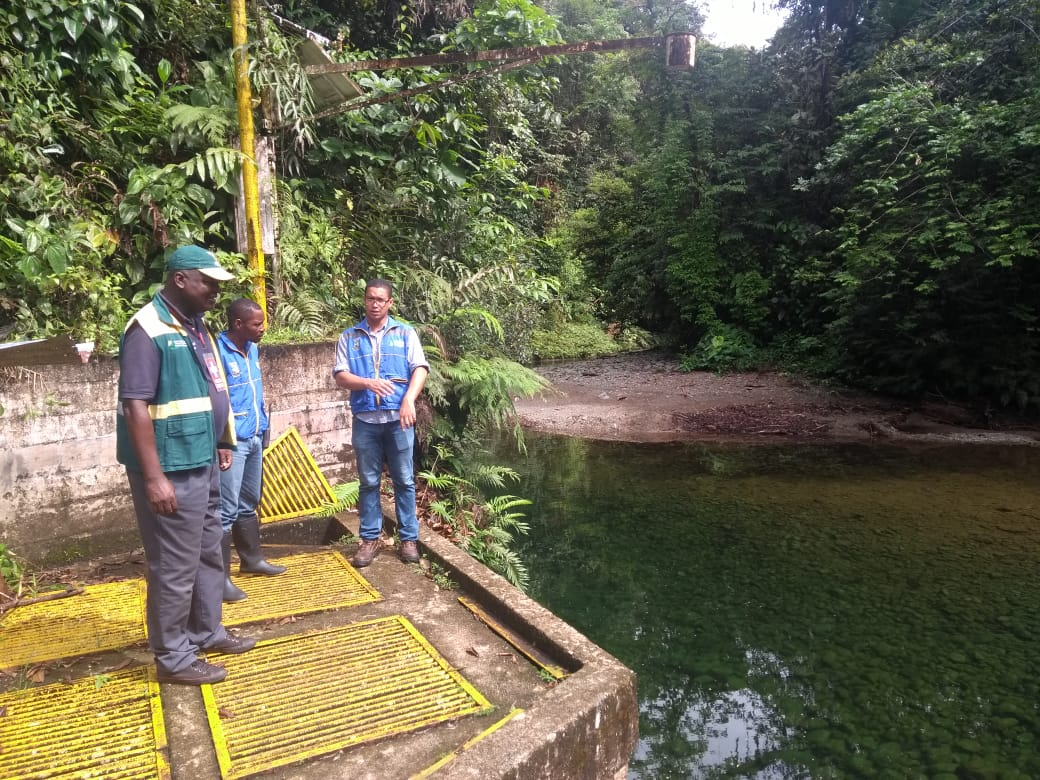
(810, 611)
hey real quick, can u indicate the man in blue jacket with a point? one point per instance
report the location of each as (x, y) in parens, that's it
(381, 362)
(240, 484)
(172, 417)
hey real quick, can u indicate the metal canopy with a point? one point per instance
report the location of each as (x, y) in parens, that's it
(330, 89)
(41, 352)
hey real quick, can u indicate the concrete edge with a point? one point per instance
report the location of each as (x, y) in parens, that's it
(588, 728)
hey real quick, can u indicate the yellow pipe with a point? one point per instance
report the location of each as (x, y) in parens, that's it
(250, 185)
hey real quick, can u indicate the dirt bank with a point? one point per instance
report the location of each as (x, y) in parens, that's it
(644, 397)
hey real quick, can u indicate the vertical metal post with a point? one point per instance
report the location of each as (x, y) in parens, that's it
(250, 187)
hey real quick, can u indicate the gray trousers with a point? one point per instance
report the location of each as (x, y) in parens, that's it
(185, 566)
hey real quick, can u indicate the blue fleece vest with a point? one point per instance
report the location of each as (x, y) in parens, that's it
(388, 361)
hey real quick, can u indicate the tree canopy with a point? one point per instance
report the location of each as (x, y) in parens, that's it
(858, 198)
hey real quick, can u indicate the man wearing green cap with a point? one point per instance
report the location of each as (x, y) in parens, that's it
(173, 434)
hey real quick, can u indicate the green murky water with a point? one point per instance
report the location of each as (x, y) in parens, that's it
(802, 612)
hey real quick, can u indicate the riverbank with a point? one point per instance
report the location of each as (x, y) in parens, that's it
(644, 397)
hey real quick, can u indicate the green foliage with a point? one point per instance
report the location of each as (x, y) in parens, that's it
(101, 680)
(11, 569)
(440, 577)
(278, 75)
(491, 533)
(548, 677)
(477, 393)
(191, 124)
(346, 494)
(725, 348)
(306, 284)
(938, 216)
(485, 528)
(89, 191)
(497, 24)
(807, 355)
(571, 340)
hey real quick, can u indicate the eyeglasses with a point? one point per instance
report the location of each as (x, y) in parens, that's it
(377, 301)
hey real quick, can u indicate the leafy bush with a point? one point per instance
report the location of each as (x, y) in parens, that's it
(724, 348)
(809, 355)
(574, 340)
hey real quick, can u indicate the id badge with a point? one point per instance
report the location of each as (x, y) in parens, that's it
(214, 372)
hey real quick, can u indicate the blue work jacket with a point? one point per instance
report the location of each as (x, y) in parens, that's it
(245, 387)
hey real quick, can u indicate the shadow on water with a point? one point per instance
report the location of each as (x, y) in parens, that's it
(801, 611)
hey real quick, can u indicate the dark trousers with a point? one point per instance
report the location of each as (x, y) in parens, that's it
(185, 566)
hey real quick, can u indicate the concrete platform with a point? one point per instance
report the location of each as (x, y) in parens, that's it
(583, 726)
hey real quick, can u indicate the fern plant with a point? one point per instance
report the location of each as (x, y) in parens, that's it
(485, 528)
(346, 494)
(193, 125)
(305, 315)
(493, 529)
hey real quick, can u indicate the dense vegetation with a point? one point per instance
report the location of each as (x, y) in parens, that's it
(859, 199)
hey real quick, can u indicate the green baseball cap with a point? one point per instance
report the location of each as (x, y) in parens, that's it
(195, 258)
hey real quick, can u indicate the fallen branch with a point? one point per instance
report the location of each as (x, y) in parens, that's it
(37, 599)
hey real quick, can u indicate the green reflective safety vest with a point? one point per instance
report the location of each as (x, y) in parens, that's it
(181, 412)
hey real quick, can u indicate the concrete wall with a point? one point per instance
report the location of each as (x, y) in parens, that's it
(62, 494)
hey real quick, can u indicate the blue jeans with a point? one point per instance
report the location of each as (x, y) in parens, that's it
(374, 445)
(240, 484)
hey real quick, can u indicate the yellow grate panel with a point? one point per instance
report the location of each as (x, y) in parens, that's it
(293, 484)
(108, 726)
(348, 685)
(103, 617)
(314, 582)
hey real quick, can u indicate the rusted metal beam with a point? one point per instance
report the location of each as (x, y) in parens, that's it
(359, 103)
(679, 53)
(488, 55)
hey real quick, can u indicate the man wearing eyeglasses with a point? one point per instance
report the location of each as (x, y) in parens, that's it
(381, 362)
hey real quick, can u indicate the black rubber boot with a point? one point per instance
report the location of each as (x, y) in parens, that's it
(246, 531)
(231, 591)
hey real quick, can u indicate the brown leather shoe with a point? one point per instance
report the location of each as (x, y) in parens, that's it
(232, 644)
(199, 673)
(366, 553)
(409, 552)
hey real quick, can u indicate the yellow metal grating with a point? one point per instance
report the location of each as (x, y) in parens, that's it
(314, 582)
(103, 617)
(293, 484)
(108, 726)
(297, 697)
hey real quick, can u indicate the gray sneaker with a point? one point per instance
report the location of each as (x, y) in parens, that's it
(232, 644)
(366, 553)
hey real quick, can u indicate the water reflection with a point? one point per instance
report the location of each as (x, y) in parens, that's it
(802, 612)
(736, 727)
